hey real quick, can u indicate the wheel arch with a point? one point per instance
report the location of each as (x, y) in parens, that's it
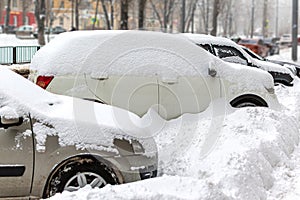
(82, 158)
(257, 100)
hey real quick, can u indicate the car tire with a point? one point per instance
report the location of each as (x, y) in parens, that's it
(248, 101)
(76, 174)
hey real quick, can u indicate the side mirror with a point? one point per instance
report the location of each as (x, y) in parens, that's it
(8, 122)
(9, 117)
(212, 71)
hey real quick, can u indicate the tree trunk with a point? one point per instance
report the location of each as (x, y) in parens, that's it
(124, 15)
(7, 16)
(142, 5)
(96, 13)
(106, 15)
(265, 20)
(215, 17)
(112, 14)
(40, 13)
(24, 10)
(77, 2)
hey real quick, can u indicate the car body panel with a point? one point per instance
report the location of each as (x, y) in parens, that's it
(16, 150)
(59, 128)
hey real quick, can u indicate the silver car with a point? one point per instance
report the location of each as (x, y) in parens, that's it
(51, 143)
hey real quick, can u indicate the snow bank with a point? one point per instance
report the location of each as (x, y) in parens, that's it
(221, 153)
(166, 187)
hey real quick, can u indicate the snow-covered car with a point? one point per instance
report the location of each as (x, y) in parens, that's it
(138, 70)
(231, 52)
(51, 143)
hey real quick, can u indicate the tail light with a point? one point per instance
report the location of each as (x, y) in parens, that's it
(44, 81)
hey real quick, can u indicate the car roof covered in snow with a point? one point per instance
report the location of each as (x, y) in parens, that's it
(118, 52)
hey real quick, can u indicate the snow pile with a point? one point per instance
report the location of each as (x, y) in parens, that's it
(166, 187)
(218, 154)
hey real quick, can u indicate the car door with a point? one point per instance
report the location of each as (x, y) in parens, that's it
(16, 163)
(134, 93)
(187, 95)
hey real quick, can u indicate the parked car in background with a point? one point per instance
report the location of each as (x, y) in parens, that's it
(57, 30)
(10, 29)
(25, 31)
(286, 40)
(231, 52)
(293, 67)
(51, 143)
(54, 30)
(256, 45)
(139, 70)
(273, 44)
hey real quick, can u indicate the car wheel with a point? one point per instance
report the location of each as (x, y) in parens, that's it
(248, 101)
(245, 104)
(77, 174)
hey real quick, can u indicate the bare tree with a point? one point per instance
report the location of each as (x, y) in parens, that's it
(40, 14)
(106, 15)
(216, 12)
(265, 20)
(25, 5)
(142, 6)
(96, 13)
(7, 16)
(190, 15)
(111, 13)
(163, 12)
(124, 14)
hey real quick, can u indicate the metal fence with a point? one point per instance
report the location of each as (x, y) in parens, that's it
(17, 55)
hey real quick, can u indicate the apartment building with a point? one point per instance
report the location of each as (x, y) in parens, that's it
(22, 12)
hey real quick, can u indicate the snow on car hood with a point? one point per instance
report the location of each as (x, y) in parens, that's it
(137, 53)
(74, 121)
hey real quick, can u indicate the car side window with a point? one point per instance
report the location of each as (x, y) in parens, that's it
(206, 47)
(225, 52)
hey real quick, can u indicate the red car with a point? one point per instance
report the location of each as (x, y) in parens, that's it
(256, 45)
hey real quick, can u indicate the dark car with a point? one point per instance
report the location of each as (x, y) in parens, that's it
(231, 52)
(57, 30)
(10, 29)
(291, 66)
(273, 45)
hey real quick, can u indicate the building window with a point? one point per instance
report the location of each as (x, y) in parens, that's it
(62, 4)
(14, 4)
(61, 21)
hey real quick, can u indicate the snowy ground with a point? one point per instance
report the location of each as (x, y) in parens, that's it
(249, 153)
